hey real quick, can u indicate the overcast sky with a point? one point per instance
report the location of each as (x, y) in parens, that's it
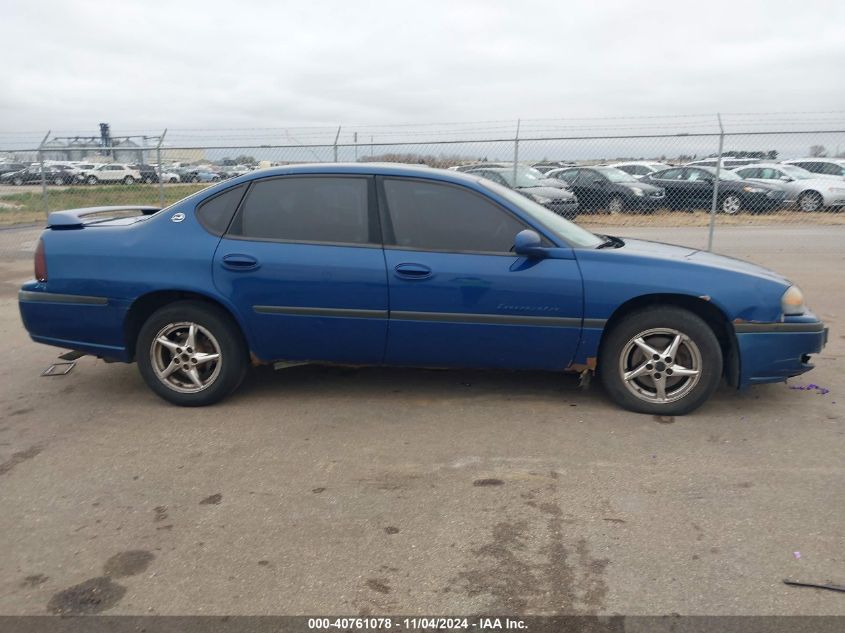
(235, 64)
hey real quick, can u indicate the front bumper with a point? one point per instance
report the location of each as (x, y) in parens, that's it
(773, 352)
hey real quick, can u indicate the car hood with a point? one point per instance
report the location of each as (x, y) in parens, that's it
(548, 192)
(659, 250)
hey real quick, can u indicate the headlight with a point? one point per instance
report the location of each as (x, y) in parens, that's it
(748, 189)
(792, 302)
(637, 191)
(541, 199)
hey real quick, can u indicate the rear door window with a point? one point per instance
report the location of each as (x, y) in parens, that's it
(321, 209)
(216, 213)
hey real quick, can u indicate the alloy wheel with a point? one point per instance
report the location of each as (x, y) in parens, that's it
(660, 365)
(731, 204)
(185, 357)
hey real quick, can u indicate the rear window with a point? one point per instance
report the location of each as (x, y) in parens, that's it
(215, 214)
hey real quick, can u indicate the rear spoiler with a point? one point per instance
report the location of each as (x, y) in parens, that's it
(77, 218)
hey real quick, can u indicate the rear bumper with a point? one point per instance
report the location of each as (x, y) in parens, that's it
(93, 325)
(773, 352)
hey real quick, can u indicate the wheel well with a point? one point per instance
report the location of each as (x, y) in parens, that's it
(699, 306)
(811, 192)
(144, 306)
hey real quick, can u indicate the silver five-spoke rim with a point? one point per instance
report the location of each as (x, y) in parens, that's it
(185, 357)
(731, 204)
(660, 365)
(615, 206)
(809, 202)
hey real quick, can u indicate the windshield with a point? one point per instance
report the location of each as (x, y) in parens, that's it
(525, 176)
(564, 229)
(615, 175)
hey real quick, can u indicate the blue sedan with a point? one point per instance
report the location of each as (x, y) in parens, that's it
(396, 265)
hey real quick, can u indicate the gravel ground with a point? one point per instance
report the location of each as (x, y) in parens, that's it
(372, 491)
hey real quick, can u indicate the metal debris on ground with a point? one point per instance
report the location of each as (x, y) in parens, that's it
(814, 585)
(59, 369)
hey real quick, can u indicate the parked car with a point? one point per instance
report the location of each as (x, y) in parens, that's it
(546, 166)
(371, 264)
(557, 199)
(610, 188)
(811, 192)
(822, 166)
(148, 173)
(53, 175)
(112, 172)
(198, 174)
(9, 168)
(471, 166)
(692, 188)
(640, 168)
(727, 163)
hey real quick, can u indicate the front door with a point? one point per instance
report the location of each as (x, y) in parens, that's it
(302, 261)
(458, 296)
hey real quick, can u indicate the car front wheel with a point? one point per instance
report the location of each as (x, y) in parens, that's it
(92, 180)
(615, 205)
(129, 180)
(810, 201)
(731, 204)
(661, 360)
(191, 353)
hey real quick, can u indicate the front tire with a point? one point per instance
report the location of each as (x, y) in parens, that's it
(92, 180)
(129, 180)
(661, 360)
(731, 204)
(18, 182)
(191, 353)
(810, 201)
(615, 205)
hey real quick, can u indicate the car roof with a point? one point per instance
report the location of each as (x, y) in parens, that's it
(367, 169)
(838, 161)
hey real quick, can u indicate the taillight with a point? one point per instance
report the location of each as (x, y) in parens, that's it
(40, 262)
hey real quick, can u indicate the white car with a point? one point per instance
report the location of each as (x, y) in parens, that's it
(811, 192)
(834, 167)
(113, 172)
(640, 168)
(727, 162)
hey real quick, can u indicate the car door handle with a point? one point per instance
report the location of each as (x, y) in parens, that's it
(237, 261)
(412, 271)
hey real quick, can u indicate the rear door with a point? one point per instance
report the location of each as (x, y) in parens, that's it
(302, 260)
(699, 187)
(458, 296)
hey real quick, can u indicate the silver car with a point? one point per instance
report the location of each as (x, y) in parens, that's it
(810, 190)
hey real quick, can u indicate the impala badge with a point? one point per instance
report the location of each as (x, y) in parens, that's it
(177, 217)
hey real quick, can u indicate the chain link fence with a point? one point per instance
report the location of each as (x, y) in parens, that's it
(705, 171)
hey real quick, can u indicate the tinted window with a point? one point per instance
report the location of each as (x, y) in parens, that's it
(697, 174)
(440, 217)
(749, 172)
(306, 209)
(832, 168)
(215, 214)
(669, 174)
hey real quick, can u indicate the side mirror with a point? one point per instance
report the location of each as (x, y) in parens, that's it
(785, 179)
(528, 244)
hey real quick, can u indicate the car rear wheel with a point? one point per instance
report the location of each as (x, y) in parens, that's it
(128, 180)
(661, 360)
(615, 205)
(18, 181)
(92, 180)
(731, 204)
(58, 181)
(191, 353)
(810, 201)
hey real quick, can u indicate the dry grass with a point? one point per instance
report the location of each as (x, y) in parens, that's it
(28, 206)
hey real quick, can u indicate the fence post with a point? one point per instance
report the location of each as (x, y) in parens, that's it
(715, 202)
(160, 170)
(336, 136)
(515, 151)
(43, 175)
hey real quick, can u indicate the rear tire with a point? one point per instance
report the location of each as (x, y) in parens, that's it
(18, 182)
(191, 353)
(92, 180)
(129, 180)
(635, 380)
